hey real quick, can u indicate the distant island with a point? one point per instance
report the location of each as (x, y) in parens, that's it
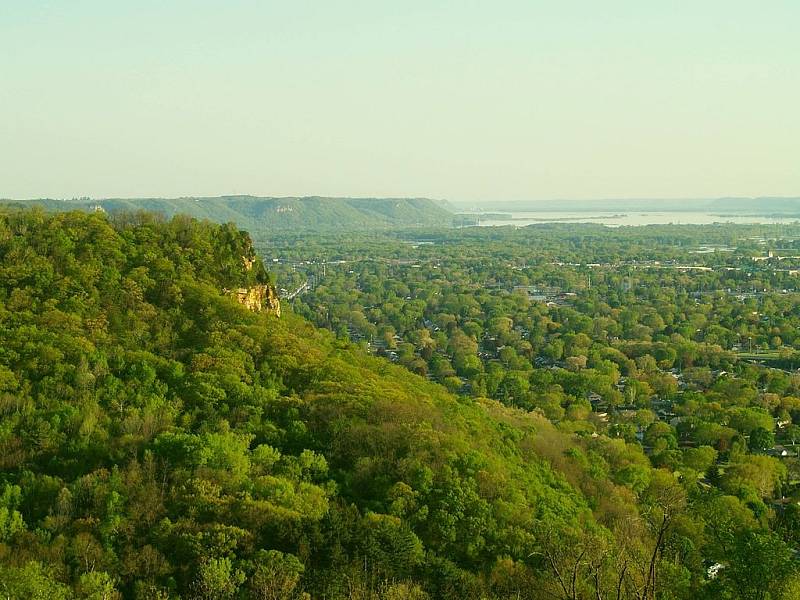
(509, 217)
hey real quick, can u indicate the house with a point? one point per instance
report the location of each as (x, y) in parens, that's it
(594, 397)
(780, 451)
(713, 570)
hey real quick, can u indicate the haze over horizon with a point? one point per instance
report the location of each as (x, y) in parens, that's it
(467, 102)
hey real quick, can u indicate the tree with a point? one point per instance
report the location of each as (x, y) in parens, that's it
(217, 579)
(700, 459)
(11, 521)
(760, 565)
(97, 585)
(665, 499)
(761, 474)
(792, 433)
(275, 576)
(576, 363)
(761, 439)
(554, 350)
(31, 582)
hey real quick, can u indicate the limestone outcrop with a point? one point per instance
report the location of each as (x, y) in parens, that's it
(259, 298)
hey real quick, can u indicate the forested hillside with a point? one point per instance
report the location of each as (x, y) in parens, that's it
(259, 214)
(158, 440)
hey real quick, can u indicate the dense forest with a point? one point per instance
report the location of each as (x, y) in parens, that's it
(681, 339)
(158, 440)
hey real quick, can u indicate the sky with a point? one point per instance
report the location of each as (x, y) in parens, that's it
(460, 100)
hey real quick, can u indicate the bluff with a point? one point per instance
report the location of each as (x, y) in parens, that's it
(260, 215)
(160, 440)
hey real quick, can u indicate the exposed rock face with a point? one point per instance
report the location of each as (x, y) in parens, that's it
(259, 298)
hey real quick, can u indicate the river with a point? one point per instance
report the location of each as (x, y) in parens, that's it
(618, 218)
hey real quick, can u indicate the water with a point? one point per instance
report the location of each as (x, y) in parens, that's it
(618, 218)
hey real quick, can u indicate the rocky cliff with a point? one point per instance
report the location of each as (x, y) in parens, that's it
(259, 298)
(260, 295)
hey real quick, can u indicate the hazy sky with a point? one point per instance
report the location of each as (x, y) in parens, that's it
(464, 100)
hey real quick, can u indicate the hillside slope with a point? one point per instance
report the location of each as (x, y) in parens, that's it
(159, 440)
(257, 214)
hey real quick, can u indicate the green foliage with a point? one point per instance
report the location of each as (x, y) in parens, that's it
(31, 582)
(217, 579)
(158, 440)
(11, 521)
(761, 439)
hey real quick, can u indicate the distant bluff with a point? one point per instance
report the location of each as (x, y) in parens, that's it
(264, 214)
